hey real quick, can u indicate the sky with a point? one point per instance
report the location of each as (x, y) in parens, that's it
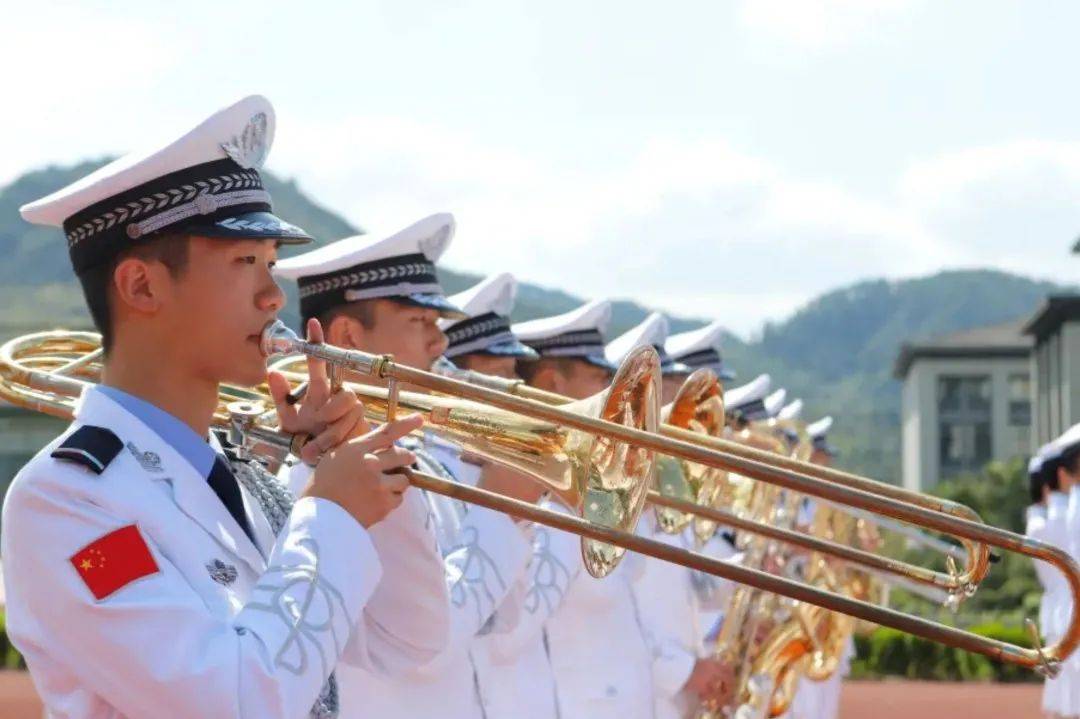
(728, 159)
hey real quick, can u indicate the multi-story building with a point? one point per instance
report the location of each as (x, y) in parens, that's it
(1055, 366)
(966, 400)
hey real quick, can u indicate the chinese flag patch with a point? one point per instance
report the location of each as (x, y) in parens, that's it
(114, 561)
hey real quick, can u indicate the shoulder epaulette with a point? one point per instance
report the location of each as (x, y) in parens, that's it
(92, 447)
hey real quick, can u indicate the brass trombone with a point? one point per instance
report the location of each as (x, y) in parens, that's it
(699, 424)
(698, 404)
(50, 384)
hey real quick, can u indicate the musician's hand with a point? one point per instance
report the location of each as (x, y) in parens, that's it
(328, 418)
(362, 475)
(774, 563)
(712, 681)
(763, 630)
(494, 477)
(869, 536)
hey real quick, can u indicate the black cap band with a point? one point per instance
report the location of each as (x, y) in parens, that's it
(708, 358)
(476, 333)
(749, 412)
(388, 278)
(580, 343)
(200, 194)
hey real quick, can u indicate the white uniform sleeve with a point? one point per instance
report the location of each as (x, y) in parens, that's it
(1036, 529)
(485, 561)
(1057, 529)
(270, 660)
(714, 593)
(555, 562)
(295, 476)
(407, 619)
(667, 615)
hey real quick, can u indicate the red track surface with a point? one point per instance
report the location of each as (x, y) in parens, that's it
(930, 700)
(876, 700)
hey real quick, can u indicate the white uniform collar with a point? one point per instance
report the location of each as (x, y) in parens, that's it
(191, 492)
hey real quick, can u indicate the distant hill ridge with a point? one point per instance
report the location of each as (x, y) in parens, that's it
(835, 352)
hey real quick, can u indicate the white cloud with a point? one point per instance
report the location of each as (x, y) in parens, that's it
(61, 77)
(1013, 205)
(696, 228)
(818, 25)
(701, 227)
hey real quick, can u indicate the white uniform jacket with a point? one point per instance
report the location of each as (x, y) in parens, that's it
(483, 553)
(1036, 527)
(512, 665)
(598, 654)
(670, 601)
(669, 620)
(1066, 687)
(212, 624)
(714, 594)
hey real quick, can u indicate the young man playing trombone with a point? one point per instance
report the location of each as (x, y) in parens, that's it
(668, 605)
(382, 296)
(137, 527)
(598, 655)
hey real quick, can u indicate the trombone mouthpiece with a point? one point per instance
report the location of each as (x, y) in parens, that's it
(277, 339)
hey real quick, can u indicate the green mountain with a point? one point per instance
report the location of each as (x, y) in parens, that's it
(836, 352)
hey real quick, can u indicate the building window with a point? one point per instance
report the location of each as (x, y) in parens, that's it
(964, 416)
(1019, 400)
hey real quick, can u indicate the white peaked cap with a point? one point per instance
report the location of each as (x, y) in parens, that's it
(397, 266)
(775, 402)
(1065, 442)
(202, 143)
(703, 338)
(700, 348)
(430, 236)
(753, 391)
(593, 315)
(650, 332)
(486, 330)
(494, 295)
(577, 334)
(791, 410)
(205, 182)
(819, 428)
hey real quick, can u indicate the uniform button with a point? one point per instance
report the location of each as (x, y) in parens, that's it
(612, 691)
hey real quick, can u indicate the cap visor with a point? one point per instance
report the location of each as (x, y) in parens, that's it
(432, 301)
(671, 368)
(251, 225)
(599, 361)
(511, 348)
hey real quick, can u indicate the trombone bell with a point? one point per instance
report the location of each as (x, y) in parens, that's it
(699, 408)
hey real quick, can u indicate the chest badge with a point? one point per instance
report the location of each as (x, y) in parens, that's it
(150, 461)
(222, 573)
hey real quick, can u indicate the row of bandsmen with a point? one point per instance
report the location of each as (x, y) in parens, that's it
(1054, 518)
(151, 570)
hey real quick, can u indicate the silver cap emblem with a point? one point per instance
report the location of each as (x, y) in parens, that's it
(250, 148)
